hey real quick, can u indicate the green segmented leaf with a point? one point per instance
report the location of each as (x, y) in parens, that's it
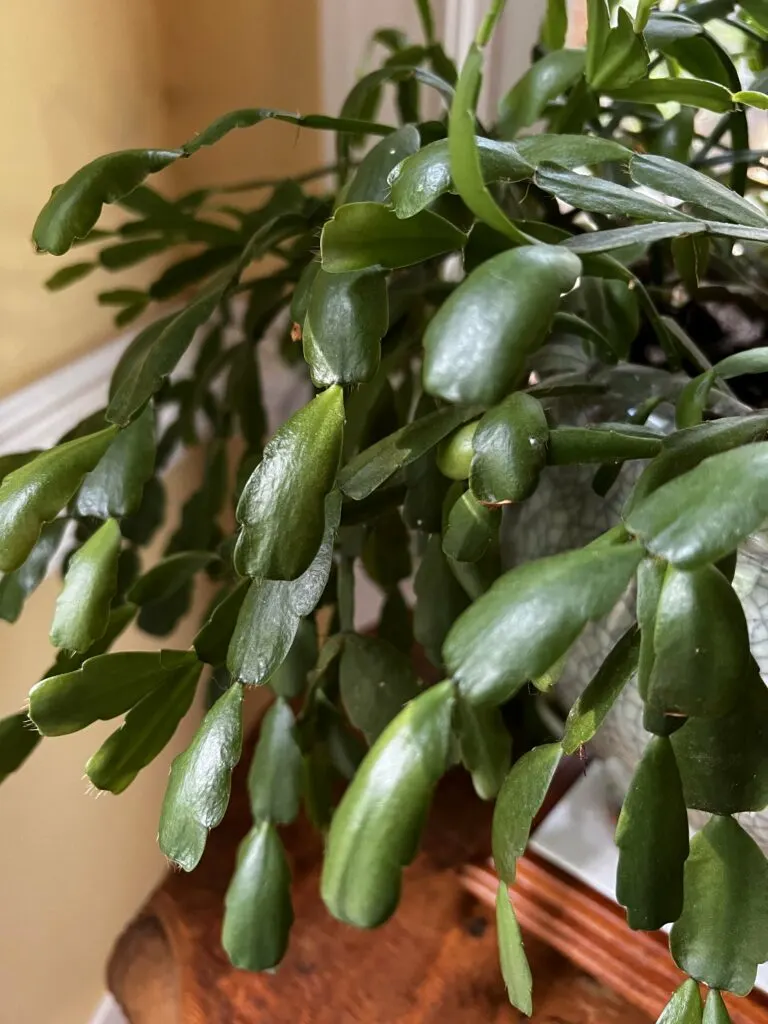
(119, 620)
(684, 1007)
(281, 508)
(519, 801)
(199, 784)
(74, 207)
(509, 450)
(104, 687)
(616, 56)
(213, 639)
(701, 646)
(375, 830)
(683, 182)
(16, 586)
(440, 600)
(422, 178)
(127, 254)
(257, 908)
(723, 762)
(640, 234)
(472, 529)
(701, 516)
(514, 963)
(690, 92)
(531, 616)
(347, 316)
(147, 729)
(82, 609)
(492, 331)
(168, 576)
(591, 708)
(375, 682)
(542, 83)
(36, 492)
(486, 747)
(652, 837)
(271, 613)
(600, 196)
(69, 275)
(274, 778)
(18, 739)
(367, 235)
(114, 488)
(372, 467)
(726, 873)
(290, 679)
(154, 354)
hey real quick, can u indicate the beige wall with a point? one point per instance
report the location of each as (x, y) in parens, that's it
(78, 79)
(82, 78)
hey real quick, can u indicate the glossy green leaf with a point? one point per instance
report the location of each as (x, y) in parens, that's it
(35, 493)
(542, 83)
(486, 747)
(212, 641)
(723, 762)
(18, 738)
(386, 552)
(370, 235)
(68, 275)
(257, 908)
(690, 92)
(290, 679)
(472, 529)
(168, 576)
(422, 178)
(274, 778)
(154, 354)
(509, 450)
(369, 183)
(600, 196)
(74, 207)
(753, 360)
(722, 934)
(686, 449)
(652, 837)
(607, 442)
(683, 182)
(248, 117)
(16, 586)
(271, 613)
(715, 1010)
(531, 616)
(701, 645)
(751, 98)
(120, 618)
(514, 963)
(347, 316)
(684, 1007)
(281, 508)
(372, 467)
(147, 729)
(592, 707)
(518, 803)
(440, 600)
(199, 784)
(114, 488)
(127, 254)
(491, 331)
(303, 290)
(704, 514)
(375, 681)
(82, 608)
(638, 234)
(376, 828)
(616, 56)
(466, 168)
(104, 687)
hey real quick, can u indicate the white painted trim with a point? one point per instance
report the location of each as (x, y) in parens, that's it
(108, 1012)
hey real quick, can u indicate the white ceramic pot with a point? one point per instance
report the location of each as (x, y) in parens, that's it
(565, 513)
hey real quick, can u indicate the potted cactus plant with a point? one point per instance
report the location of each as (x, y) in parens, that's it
(592, 320)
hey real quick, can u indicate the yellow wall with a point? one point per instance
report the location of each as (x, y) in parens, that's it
(81, 78)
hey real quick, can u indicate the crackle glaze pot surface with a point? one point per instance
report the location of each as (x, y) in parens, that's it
(565, 513)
